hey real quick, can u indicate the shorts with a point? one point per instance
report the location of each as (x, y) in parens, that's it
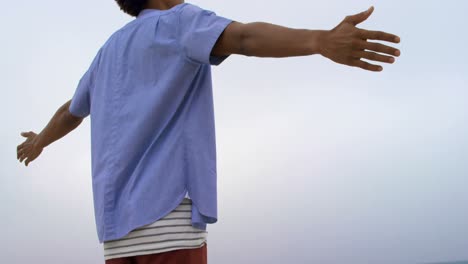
(179, 256)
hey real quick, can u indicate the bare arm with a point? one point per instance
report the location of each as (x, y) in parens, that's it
(261, 39)
(61, 124)
(344, 44)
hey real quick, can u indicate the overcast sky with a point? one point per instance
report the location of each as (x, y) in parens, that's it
(317, 162)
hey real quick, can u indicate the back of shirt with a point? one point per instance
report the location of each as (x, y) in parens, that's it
(149, 94)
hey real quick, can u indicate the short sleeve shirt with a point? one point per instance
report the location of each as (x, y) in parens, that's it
(148, 93)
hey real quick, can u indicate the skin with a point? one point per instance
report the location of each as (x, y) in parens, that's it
(61, 124)
(344, 44)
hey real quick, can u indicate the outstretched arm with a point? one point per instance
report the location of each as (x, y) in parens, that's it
(344, 44)
(61, 124)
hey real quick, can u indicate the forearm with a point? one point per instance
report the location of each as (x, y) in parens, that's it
(263, 39)
(60, 125)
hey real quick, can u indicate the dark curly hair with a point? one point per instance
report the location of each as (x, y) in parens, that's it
(132, 7)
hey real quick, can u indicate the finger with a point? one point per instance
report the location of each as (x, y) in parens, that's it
(373, 56)
(29, 160)
(378, 35)
(379, 48)
(20, 149)
(360, 17)
(366, 66)
(24, 156)
(19, 146)
(27, 134)
(19, 152)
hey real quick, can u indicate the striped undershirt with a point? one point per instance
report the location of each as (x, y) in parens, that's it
(173, 231)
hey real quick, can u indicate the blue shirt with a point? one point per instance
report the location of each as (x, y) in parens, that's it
(148, 92)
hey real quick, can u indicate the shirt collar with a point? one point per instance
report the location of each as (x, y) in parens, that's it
(150, 11)
(145, 12)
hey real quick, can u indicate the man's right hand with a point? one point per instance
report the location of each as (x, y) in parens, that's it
(347, 44)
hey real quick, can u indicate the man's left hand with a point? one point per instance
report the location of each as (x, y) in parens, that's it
(30, 149)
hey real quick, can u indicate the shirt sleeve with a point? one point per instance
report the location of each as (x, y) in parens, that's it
(81, 101)
(199, 29)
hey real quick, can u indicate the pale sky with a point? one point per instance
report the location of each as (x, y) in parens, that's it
(317, 162)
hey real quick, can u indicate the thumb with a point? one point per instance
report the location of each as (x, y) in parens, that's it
(360, 17)
(26, 134)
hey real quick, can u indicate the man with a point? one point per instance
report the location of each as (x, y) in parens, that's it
(148, 91)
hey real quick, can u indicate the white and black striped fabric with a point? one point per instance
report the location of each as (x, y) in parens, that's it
(173, 231)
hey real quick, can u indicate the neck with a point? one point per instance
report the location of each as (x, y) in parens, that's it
(162, 4)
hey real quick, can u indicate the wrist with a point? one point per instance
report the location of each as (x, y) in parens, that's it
(316, 41)
(321, 41)
(39, 141)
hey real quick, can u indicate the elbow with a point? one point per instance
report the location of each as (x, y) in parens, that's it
(68, 117)
(246, 43)
(70, 120)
